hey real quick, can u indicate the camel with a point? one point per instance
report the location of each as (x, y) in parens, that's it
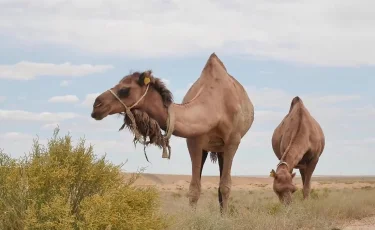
(215, 114)
(298, 142)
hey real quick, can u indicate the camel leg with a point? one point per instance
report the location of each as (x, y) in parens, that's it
(302, 172)
(220, 197)
(226, 179)
(204, 157)
(196, 156)
(308, 174)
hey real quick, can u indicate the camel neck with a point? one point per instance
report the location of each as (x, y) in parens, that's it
(292, 157)
(190, 119)
(193, 118)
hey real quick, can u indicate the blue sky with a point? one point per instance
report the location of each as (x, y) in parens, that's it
(56, 58)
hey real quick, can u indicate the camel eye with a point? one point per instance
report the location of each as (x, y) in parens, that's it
(124, 92)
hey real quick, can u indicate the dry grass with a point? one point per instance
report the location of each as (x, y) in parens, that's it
(345, 179)
(327, 209)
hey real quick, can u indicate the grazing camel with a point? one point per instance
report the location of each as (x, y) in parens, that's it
(215, 114)
(298, 143)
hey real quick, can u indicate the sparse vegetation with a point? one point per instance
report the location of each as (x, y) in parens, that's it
(61, 186)
(327, 209)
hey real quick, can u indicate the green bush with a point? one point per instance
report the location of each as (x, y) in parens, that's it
(61, 186)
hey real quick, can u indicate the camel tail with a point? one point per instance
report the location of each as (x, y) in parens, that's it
(213, 156)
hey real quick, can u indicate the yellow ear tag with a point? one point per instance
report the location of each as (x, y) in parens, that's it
(146, 80)
(272, 173)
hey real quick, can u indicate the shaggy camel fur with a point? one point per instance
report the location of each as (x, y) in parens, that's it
(298, 143)
(215, 114)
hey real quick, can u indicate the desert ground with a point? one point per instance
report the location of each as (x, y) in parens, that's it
(336, 202)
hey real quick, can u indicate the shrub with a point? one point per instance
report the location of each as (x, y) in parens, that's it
(61, 186)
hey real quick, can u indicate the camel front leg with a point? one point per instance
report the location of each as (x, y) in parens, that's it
(226, 178)
(195, 151)
(308, 174)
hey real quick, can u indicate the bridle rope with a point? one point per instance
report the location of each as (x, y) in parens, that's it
(136, 103)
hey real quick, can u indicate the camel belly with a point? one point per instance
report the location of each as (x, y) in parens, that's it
(214, 144)
(248, 117)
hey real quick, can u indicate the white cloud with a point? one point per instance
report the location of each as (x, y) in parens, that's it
(65, 83)
(180, 93)
(368, 110)
(29, 70)
(2, 98)
(166, 81)
(266, 116)
(50, 125)
(107, 146)
(266, 72)
(316, 32)
(277, 98)
(90, 99)
(20, 115)
(16, 144)
(64, 99)
(14, 136)
(267, 97)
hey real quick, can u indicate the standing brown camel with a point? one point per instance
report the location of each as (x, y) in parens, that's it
(298, 143)
(215, 114)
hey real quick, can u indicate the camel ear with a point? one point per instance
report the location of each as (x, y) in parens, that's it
(293, 175)
(145, 78)
(273, 173)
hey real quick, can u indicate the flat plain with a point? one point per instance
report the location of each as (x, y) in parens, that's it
(336, 202)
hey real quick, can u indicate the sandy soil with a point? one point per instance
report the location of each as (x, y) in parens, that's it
(181, 182)
(364, 224)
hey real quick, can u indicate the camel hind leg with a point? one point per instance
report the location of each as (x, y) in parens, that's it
(220, 197)
(302, 172)
(308, 174)
(226, 178)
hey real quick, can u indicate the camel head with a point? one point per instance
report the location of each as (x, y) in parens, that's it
(135, 91)
(283, 184)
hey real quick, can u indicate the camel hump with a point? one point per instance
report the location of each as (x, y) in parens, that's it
(296, 100)
(213, 64)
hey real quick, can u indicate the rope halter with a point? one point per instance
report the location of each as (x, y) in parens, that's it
(282, 163)
(169, 123)
(129, 113)
(136, 103)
